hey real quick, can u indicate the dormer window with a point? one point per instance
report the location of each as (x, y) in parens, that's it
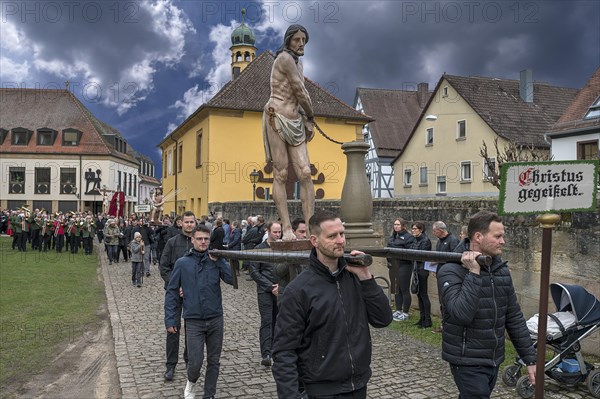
(20, 136)
(71, 137)
(46, 137)
(594, 110)
(120, 145)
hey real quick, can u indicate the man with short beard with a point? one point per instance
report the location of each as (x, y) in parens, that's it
(322, 340)
(479, 305)
(174, 249)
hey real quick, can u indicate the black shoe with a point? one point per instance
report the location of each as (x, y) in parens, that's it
(266, 361)
(139, 285)
(169, 373)
(147, 274)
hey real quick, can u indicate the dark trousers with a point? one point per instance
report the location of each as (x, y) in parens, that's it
(424, 302)
(358, 394)
(88, 245)
(403, 297)
(123, 249)
(474, 382)
(15, 241)
(197, 334)
(74, 242)
(46, 241)
(235, 266)
(136, 273)
(267, 307)
(35, 239)
(60, 241)
(173, 338)
(22, 244)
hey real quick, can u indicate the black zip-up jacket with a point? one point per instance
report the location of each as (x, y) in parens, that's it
(447, 244)
(476, 311)
(402, 239)
(322, 336)
(265, 274)
(174, 249)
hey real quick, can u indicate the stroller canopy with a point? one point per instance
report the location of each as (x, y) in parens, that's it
(574, 298)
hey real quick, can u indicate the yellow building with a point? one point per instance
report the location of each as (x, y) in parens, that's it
(209, 157)
(442, 155)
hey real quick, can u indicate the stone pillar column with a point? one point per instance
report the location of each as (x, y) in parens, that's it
(357, 202)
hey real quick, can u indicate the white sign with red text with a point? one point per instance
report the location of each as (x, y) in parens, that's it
(539, 187)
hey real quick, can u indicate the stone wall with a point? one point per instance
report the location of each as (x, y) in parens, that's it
(575, 247)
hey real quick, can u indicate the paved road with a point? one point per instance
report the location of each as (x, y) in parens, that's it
(402, 367)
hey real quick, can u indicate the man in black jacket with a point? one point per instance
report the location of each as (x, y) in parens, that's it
(478, 304)
(265, 275)
(175, 248)
(322, 341)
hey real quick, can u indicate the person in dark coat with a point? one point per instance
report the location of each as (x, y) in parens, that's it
(217, 236)
(446, 240)
(265, 276)
(401, 269)
(235, 244)
(175, 248)
(422, 243)
(322, 341)
(197, 276)
(479, 305)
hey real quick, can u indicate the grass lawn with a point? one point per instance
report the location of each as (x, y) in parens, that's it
(46, 299)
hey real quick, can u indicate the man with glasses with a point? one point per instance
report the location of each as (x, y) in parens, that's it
(196, 276)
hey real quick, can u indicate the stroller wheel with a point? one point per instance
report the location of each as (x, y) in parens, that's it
(525, 389)
(511, 374)
(593, 383)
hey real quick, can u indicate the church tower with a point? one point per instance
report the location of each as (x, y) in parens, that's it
(242, 47)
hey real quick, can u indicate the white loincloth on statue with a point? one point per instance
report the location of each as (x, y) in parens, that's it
(291, 131)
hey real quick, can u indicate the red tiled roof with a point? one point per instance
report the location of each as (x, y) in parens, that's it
(395, 113)
(498, 103)
(251, 90)
(35, 109)
(573, 117)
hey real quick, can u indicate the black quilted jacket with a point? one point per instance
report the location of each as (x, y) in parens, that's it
(477, 309)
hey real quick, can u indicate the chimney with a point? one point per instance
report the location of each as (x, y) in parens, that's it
(422, 92)
(526, 85)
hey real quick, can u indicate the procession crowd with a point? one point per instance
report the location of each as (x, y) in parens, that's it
(314, 319)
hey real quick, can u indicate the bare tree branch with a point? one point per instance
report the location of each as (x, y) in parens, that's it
(511, 152)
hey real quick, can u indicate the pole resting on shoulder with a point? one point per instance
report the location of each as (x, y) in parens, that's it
(267, 255)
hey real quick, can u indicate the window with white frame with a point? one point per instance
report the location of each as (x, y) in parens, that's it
(423, 175)
(488, 168)
(461, 130)
(429, 138)
(465, 171)
(408, 177)
(169, 163)
(594, 110)
(441, 184)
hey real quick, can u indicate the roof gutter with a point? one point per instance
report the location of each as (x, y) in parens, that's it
(175, 169)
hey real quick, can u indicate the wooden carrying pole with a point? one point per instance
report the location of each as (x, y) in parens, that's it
(547, 222)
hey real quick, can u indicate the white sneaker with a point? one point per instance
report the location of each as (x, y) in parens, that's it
(190, 390)
(397, 313)
(401, 317)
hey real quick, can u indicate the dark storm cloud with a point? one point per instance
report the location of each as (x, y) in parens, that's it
(114, 46)
(395, 44)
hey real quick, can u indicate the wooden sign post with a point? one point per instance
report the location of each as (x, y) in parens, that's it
(547, 187)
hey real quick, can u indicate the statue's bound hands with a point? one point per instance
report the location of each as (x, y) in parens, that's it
(309, 128)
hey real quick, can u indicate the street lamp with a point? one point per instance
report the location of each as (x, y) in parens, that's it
(253, 179)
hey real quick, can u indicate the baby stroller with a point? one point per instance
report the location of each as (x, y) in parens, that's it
(567, 366)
